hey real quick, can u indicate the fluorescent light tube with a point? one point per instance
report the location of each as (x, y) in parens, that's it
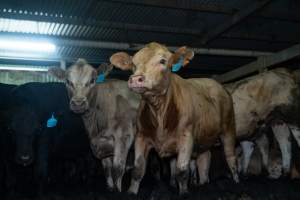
(24, 68)
(31, 46)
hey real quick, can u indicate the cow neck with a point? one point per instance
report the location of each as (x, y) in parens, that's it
(158, 103)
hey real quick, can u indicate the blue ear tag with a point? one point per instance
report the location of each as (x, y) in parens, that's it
(101, 78)
(51, 122)
(176, 67)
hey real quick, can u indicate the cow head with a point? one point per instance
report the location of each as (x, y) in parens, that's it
(24, 128)
(151, 66)
(80, 79)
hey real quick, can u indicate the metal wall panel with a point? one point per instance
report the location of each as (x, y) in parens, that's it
(21, 77)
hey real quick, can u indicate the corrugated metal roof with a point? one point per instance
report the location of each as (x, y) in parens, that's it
(105, 20)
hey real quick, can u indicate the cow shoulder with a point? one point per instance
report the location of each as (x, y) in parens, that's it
(171, 117)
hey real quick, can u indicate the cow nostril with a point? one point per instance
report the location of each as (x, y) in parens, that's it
(25, 157)
(140, 79)
(78, 102)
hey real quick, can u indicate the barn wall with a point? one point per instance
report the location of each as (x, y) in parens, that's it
(21, 77)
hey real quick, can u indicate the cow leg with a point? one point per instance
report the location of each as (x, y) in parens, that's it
(42, 165)
(10, 179)
(228, 140)
(247, 148)
(229, 150)
(141, 149)
(263, 146)
(42, 175)
(275, 164)
(282, 135)
(107, 166)
(296, 133)
(183, 161)
(203, 163)
(122, 146)
(193, 173)
(239, 155)
(173, 172)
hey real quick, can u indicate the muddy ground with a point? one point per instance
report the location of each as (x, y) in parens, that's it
(221, 189)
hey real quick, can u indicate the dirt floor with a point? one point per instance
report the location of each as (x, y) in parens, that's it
(222, 189)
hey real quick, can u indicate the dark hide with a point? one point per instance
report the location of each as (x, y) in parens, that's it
(44, 148)
(5, 91)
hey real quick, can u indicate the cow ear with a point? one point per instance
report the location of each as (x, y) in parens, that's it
(183, 55)
(57, 72)
(122, 61)
(104, 68)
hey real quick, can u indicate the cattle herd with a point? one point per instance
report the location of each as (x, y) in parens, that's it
(178, 127)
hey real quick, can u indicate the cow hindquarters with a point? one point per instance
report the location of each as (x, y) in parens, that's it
(141, 151)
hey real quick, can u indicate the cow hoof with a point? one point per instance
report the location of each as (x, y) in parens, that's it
(184, 194)
(134, 188)
(110, 189)
(173, 183)
(131, 196)
(119, 186)
(203, 182)
(286, 173)
(110, 185)
(236, 178)
(273, 177)
(132, 191)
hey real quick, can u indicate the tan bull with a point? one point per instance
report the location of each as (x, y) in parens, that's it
(176, 117)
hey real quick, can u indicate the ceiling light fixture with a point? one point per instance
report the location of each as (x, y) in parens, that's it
(27, 46)
(23, 68)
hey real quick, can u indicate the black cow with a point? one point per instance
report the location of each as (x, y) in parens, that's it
(5, 90)
(5, 99)
(33, 141)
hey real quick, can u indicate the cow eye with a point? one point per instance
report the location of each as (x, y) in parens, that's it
(163, 61)
(92, 81)
(69, 83)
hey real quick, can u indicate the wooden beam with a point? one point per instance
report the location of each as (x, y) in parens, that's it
(261, 63)
(235, 19)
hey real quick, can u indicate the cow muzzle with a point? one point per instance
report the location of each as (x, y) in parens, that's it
(79, 105)
(137, 83)
(24, 160)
